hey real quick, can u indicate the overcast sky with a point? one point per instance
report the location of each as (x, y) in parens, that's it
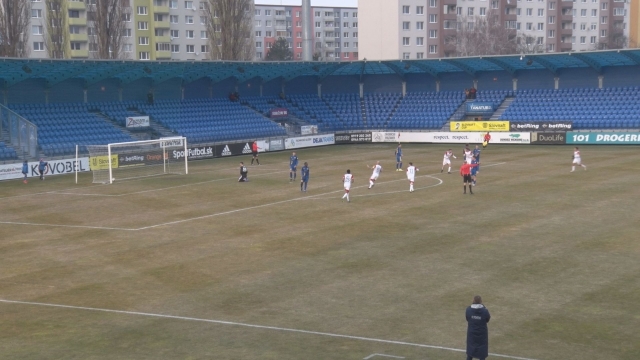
(320, 3)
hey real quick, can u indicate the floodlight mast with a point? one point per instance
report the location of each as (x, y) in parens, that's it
(307, 40)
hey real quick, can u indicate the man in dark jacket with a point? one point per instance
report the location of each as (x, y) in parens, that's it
(243, 173)
(25, 170)
(477, 331)
(42, 167)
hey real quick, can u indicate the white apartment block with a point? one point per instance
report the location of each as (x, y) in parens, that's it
(419, 28)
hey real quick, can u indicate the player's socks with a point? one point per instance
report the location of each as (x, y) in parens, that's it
(573, 168)
(465, 189)
(442, 170)
(584, 166)
(301, 184)
(449, 171)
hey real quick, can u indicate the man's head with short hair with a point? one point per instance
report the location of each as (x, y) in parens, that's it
(294, 153)
(411, 163)
(477, 299)
(241, 163)
(305, 164)
(348, 171)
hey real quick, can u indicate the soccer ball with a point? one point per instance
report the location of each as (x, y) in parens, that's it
(113, 179)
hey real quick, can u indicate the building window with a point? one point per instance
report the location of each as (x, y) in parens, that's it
(258, 33)
(420, 25)
(188, 19)
(203, 34)
(603, 20)
(267, 34)
(594, 26)
(173, 4)
(175, 48)
(142, 10)
(433, 34)
(458, 10)
(189, 34)
(406, 56)
(552, 5)
(143, 25)
(175, 34)
(299, 34)
(75, 45)
(188, 5)
(345, 44)
(603, 33)
(74, 29)
(420, 41)
(593, 39)
(36, 30)
(551, 47)
(354, 14)
(143, 40)
(405, 10)
(433, 18)
(420, 9)
(529, 12)
(268, 23)
(173, 19)
(541, 12)
(318, 34)
(406, 41)
(267, 13)
(406, 25)
(583, 12)
(469, 11)
(297, 14)
(540, 26)
(259, 44)
(552, 34)
(163, 47)
(355, 34)
(594, 12)
(143, 55)
(256, 12)
(433, 49)
(583, 39)
(93, 47)
(483, 11)
(552, 19)
(38, 46)
(191, 49)
(605, 6)
(420, 55)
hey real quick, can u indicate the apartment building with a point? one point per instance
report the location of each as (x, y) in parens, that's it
(417, 29)
(177, 30)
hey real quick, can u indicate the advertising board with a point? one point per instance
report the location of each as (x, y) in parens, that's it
(309, 141)
(626, 138)
(384, 137)
(541, 126)
(511, 138)
(232, 149)
(276, 145)
(308, 129)
(137, 121)
(548, 138)
(353, 138)
(478, 108)
(193, 153)
(276, 113)
(54, 167)
(102, 162)
(479, 126)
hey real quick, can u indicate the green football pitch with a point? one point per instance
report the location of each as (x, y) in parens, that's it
(200, 266)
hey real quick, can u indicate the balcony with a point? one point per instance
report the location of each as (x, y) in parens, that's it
(77, 54)
(566, 18)
(76, 5)
(163, 39)
(566, 46)
(79, 37)
(564, 32)
(78, 21)
(161, 9)
(161, 24)
(163, 55)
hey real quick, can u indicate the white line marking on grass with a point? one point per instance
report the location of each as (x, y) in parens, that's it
(384, 355)
(66, 226)
(265, 327)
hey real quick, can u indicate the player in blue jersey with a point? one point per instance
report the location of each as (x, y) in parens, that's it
(293, 167)
(476, 155)
(304, 177)
(399, 158)
(474, 170)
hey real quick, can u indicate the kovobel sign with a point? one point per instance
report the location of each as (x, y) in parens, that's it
(548, 138)
(630, 138)
(479, 126)
(542, 126)
(54, 167)
(479, 108)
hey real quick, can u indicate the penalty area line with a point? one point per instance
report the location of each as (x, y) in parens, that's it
(254, 326)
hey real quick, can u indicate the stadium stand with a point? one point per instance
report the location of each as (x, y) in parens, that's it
(348, 108)
(211, 120)
(7, 153)
(588, 108)
(426, 110)
(312, 109)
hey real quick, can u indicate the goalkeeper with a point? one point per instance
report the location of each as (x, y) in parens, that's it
(243, 173)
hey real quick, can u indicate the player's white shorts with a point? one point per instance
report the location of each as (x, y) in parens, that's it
(446, 162)
(347, 186)
(374, 177)
(411, 178)
(577, 161)
(469, 160)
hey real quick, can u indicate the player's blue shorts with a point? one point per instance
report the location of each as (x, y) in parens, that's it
(398, 158)
(474, 170)
(305, 179)
(293, 168)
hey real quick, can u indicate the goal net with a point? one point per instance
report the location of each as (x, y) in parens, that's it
(136, 159)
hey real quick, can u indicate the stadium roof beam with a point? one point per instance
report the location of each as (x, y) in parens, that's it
(328, 70)
(68, 74)
(98, 75)
(464, 67)
(396, 69)
(508, 68)
(426, 68)
(547, 64)
(631, 55)
(589, 61)
(11, 72)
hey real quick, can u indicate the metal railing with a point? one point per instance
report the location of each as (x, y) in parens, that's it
(23, 134)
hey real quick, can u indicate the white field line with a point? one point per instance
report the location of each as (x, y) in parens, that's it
(254, 326)
(383, 355)
(217, 214)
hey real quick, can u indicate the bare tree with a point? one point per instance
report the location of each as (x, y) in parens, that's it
(527, 44)
(109, 29)
(230, 26)
(615, 39)
(57, 33)
(15, 17)
(483, 35)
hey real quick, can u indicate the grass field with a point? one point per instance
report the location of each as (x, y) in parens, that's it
(203, 267)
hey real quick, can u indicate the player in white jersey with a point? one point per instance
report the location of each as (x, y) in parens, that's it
(411, 175)
(376, 172)
(447, 160)
(577, 160)
(468, 155)
(347, 179)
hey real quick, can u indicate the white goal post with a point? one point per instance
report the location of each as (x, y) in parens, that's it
(136, 159)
